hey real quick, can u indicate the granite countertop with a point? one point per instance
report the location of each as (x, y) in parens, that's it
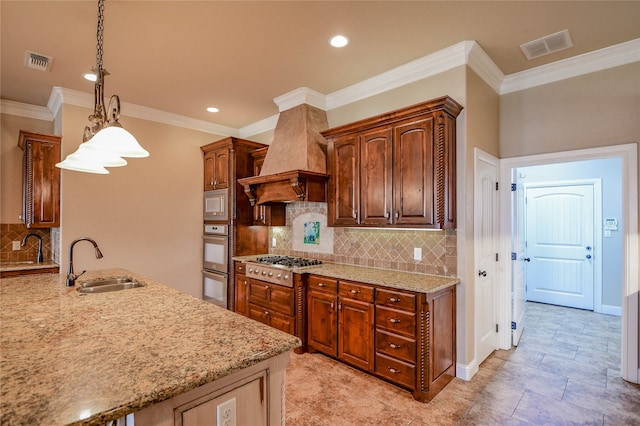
(26, 265)
(69, 358)
(421, 283)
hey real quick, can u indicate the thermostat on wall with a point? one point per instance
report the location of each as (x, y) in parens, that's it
(611, 224)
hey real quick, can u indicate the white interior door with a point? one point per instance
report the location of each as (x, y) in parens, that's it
(517, 264)
(560, 244)
(486, 249)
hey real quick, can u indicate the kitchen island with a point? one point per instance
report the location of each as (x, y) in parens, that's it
(71, 358)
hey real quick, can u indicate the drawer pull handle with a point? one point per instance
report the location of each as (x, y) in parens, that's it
(322, 285)
(266, 287)
(355, 291)
(394, 346)
(393, 320)
(393, 370)
(266, 312)
(394, 299)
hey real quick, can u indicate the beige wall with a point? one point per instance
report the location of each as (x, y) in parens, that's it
(11, 163)
(146, 216)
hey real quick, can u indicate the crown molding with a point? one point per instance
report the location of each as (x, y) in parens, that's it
(427, 66)
(299, 96)
(483, 65)
(467, 52)
(598, 60)
(25, 110)
(60, 95)
(262, 126)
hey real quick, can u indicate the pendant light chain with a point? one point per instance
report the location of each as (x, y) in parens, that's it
(100, 35)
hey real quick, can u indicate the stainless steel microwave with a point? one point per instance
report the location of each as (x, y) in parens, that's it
(216, 204)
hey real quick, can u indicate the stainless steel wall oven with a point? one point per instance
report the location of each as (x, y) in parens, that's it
(215, 263)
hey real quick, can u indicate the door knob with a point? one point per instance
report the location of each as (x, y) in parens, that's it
(527, 259)
(482, 273)
(588, 256)
(588, 248)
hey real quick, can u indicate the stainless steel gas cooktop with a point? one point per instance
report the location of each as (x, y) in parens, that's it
(277, 269)
(288, 261)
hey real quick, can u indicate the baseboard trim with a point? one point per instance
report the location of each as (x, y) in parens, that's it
(467, 371)
(611, 310)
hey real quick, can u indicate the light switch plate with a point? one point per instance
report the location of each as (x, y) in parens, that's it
(16, 245)
(417, 253)
(273, 242)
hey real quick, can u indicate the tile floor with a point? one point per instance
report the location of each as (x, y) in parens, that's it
(566, 370)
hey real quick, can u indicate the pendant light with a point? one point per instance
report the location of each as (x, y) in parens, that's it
(105, 140)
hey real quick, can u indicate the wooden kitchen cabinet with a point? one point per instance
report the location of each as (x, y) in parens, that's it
(322, 312)
(272, 304)
(405, 337)
(266, 215)
(41, 180)
(241, 290)
(216, 169)
(396, 169)
(341, 317)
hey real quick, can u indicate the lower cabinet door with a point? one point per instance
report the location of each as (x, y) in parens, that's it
(322, 328)
(356, 333)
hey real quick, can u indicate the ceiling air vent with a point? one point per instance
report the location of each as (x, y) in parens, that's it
(547, 44)
(37, 61)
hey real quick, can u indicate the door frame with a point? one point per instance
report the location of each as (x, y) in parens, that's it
(480, 155)
(628, 154)
(596, 183)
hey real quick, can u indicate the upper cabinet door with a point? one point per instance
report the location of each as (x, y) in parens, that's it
(399, 168)
(344, 165)
(216, 169)
(376, 168)
(41, 180)
(414, 173)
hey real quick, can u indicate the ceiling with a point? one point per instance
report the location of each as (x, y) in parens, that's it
(183, 56)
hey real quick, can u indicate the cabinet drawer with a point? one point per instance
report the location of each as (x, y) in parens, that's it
(241, 268)
(396, 346)
(396, 299)
(397, 371)
(396, 321)
(318, 283)
(355, 291)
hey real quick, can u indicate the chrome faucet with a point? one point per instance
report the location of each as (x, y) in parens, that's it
(24, 243)
(71, 277)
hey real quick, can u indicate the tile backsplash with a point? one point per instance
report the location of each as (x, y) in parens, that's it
(10, 232)
(378, 248)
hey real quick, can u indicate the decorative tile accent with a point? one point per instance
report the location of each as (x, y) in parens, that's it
(379, 248)
(10, 232)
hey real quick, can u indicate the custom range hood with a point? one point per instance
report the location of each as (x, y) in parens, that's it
(295, 166)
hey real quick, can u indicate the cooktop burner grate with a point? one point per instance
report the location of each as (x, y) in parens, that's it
(288, 261)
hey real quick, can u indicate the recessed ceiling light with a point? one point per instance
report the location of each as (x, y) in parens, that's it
(213, 109)
(339, 41)
(91, 76)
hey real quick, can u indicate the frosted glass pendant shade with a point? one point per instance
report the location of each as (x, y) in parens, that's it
(91, 160)
(78, 165)
(118, 141)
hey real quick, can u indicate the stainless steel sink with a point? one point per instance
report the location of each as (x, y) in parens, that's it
(103, 285)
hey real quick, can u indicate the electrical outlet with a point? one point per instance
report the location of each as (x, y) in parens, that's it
(417, 253)
(273, 242)
(16, 245)
(227, 413)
